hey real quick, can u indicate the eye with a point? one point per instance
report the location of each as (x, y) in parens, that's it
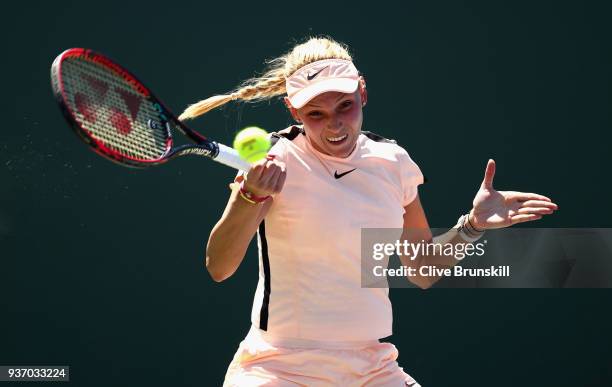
(346, 104)
(314, 114)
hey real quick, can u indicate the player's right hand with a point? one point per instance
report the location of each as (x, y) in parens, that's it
(266, 177)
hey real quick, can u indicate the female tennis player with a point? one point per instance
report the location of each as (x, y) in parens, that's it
(324, 180)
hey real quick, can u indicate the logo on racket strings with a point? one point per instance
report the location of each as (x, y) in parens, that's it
(96, 92)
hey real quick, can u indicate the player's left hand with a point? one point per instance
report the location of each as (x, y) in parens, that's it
(498, 209)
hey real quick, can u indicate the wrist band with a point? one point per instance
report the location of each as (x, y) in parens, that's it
(466, 230)
(250, 197)
(471, 226)
(245, 198)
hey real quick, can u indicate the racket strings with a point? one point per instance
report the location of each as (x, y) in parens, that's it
(117, 130)
(111, 110)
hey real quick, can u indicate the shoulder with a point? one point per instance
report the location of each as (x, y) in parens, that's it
(375, 145)
(290, 133)
(281, 139)
(378, 138)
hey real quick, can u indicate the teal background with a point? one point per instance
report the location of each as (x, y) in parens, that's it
(101, 267)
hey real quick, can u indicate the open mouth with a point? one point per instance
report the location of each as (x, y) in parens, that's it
(337, 140)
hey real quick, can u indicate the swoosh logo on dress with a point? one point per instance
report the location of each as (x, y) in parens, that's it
(339, 175)
(311, 77)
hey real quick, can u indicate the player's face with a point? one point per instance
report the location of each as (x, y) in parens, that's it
(332, 121)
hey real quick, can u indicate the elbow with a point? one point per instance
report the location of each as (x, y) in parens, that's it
(216, 273)
(421, 282)
(425, 286)
(217, 276)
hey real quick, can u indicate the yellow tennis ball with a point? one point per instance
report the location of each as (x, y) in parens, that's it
(252, 143)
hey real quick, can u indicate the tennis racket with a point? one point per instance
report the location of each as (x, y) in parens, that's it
(120, 118)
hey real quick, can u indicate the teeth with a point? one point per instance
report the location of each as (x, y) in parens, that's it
(334, 139)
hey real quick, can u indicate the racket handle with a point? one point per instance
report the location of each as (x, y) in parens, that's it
(229, 156)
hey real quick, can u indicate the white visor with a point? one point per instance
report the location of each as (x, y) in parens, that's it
(320, 77)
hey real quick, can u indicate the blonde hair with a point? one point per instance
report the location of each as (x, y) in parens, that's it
(272, 82)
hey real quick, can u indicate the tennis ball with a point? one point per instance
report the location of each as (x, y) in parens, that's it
(252, 143)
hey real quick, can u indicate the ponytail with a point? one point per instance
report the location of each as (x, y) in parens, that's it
(272, 83)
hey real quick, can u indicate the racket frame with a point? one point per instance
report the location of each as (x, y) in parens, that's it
(202, 147)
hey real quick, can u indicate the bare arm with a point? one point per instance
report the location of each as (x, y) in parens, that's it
(491, 209)
(230, 237)
(416, 229)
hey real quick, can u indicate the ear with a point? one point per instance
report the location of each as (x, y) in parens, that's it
(363, 93)
(292, 110)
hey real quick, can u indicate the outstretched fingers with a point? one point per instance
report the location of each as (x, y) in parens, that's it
(537, 206)
(521, 218)
(525, 196)
(535, 210)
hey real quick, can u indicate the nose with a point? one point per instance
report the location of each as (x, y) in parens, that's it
(335, 124)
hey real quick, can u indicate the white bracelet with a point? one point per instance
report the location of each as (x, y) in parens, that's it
(465, 229)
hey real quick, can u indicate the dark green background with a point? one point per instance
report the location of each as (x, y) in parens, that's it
(101, 267)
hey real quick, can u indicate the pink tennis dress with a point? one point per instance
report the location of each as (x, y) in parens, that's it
(312, 322)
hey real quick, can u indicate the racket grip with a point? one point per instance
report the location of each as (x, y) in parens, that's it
(229, 156)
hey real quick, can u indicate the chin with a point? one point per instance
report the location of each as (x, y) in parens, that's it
(344, 152)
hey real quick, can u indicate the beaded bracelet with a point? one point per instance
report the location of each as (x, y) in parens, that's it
(251, 197)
